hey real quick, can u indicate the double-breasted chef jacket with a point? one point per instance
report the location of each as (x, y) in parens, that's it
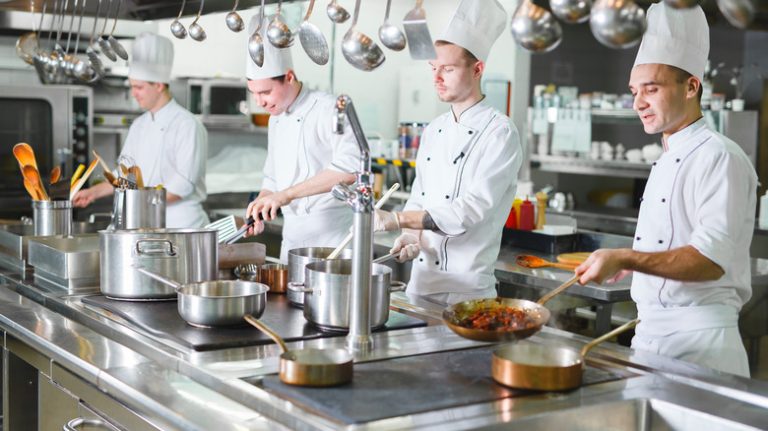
(702, 193)
(171, 148)
(301, 144)
(466, 176)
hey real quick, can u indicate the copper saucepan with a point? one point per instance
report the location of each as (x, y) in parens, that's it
(456, 316)
(310, 367)
(274, 275)
(544, 368)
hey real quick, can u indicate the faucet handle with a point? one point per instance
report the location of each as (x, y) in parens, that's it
(343, 192)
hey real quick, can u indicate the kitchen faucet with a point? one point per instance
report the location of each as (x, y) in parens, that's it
(360, 198)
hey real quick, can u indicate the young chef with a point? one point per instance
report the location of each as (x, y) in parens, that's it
(691, 248)
(167, 142)
(305, 159)
(466, 170)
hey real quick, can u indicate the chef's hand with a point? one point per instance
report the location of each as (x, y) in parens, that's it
(384, 221)
(408, 246)
(267, 205)
(83, 198)
(603, 265)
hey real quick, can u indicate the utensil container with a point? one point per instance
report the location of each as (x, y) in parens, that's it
(138, 208)
(52, 217)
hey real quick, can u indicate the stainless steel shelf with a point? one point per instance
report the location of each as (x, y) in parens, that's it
(572, 165)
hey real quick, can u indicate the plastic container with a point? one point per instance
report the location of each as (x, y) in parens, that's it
(516, 207)
(763, 219)
(511, 219)
(526, 215)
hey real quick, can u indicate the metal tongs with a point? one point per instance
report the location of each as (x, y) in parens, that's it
(243, 229)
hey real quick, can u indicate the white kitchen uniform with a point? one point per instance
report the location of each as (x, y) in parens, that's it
(466, 176)
(702, 193)
(301, 144)
(171, 148)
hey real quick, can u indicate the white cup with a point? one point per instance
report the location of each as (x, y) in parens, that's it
(737, 105)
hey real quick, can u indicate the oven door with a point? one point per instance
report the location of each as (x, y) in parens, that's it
(225, 101)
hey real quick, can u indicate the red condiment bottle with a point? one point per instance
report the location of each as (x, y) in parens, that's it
(511, 220)
(526, 215)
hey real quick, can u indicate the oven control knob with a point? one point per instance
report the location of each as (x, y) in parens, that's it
(80, 132)
(81, 159)
(81, 117)
(81, 146)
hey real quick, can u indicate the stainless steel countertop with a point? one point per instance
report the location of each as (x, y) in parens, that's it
(196, 390)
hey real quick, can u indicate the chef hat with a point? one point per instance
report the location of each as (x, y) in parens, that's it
(475, 26)
(676, 37)
(277, 61)
(151, 59)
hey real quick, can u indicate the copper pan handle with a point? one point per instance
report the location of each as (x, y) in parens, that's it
(587, 347)
(557, 291)
(267, 330)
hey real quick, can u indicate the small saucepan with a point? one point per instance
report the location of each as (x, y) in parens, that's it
(544, 368)
(310, 367)
(274, 275)
(216, 303)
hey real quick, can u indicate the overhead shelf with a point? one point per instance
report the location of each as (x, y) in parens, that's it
(573, 165)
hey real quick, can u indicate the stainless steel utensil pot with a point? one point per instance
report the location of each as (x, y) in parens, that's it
(298, 258)
(184, 255)
(52, 217)
(138, 208)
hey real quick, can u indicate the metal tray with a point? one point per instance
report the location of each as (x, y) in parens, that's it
(75, 257)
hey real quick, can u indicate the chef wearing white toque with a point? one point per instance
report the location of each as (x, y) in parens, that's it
(466, 170)
(167, 142)
(305, 159)
(690, 255)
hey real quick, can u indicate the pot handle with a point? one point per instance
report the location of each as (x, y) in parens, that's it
(171, 252)
(397, 286)
(298, 287)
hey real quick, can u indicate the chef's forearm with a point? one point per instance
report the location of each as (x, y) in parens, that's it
(171, 197)
(103, 190)
(323, 182)
(420, 220)
(683, 264)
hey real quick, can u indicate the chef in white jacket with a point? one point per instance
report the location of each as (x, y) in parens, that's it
(466, 170)
(305, 159)
(690, 255)
(167, 142)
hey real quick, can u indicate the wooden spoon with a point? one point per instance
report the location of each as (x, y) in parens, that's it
(24, 154)
(31, 189)
(55, 175)
(107, 171)
(81, 182)
(528, 261)
(33, 176)
(76, 176)
(139, 178)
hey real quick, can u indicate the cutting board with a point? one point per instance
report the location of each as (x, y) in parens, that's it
(232, 255)
(576, 258)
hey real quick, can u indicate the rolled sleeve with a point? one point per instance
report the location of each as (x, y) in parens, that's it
(188, 158)
(725, 207)
(499, 162)
(346, 152)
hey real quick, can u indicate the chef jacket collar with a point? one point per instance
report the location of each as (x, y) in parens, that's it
(164, 116)
(683, 139)
(299, 103)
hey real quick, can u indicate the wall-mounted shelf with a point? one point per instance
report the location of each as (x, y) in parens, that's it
(615, 116)
(573, 165)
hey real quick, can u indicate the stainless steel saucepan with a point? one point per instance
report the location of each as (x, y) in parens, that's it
(216, 303)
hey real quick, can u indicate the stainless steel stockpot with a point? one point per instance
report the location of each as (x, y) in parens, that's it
(327, 293)
(184, 255)
(298, 258)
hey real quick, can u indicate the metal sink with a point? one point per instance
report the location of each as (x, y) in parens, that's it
(629, 415)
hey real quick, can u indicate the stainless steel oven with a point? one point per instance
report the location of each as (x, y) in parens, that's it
(56, 121)
(216, 101)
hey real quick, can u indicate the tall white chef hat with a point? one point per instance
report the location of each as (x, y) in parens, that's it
(277, 61)
(676, 37)
(475, 26)
(151, 59)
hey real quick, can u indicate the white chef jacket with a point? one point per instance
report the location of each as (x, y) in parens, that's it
(171, 148)
(466, 176)
(301, 144)
(702, 193)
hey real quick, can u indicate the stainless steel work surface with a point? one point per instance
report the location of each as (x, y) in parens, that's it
(161, 320)
(411, 385)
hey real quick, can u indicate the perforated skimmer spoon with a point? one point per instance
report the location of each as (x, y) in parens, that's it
(312, 39)
(103, 44)
(113, 43)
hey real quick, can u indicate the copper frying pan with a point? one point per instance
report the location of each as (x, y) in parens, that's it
(544, 368)
(309, 367)
(536, 316)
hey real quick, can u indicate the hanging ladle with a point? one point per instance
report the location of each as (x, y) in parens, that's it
(196, 32)
(360, 50)
(233, 19)
(256, 42)
(177, 28)
(278, 32)
(336, 13)
(103, 44)
(312, 39)
(113, 43)
(389, 34)
(93, 55)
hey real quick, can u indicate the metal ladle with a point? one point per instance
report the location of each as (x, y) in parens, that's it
(177, 28)
(571, 11)
(312, 39)
(71, 60)
(336, 13)
(617, 23)
(535, 29)
(93, 54)
(256, 42)
(103, 44)
(233, 19)
(113, 43)
(360, 50)
(196, 32)
(278, 32)
(389, 35)
(739, 13)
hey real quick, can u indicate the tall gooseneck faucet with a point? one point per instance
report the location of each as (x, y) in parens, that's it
(360, 198)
